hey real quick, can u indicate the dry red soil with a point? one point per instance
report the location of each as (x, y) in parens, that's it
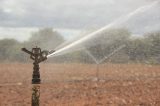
(77, 85)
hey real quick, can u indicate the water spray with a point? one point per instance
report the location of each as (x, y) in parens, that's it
(103, 59)
(99, 32)
(38, 56)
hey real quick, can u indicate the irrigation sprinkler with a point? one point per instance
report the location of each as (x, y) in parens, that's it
(103, 59)
(38, 56)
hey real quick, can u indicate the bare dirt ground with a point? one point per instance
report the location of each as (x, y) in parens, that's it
(77, 85)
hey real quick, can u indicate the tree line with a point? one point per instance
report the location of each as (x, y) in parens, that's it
(145, 49)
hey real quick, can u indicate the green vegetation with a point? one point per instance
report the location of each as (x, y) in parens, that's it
(144, 50)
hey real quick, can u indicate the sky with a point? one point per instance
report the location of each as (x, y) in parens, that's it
(70, 17)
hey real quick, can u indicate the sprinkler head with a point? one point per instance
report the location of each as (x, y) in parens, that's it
(38, 56)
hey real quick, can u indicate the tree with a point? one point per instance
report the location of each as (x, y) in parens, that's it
(153, 40)
(137, 50)
(9, 50)
(45, 38)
